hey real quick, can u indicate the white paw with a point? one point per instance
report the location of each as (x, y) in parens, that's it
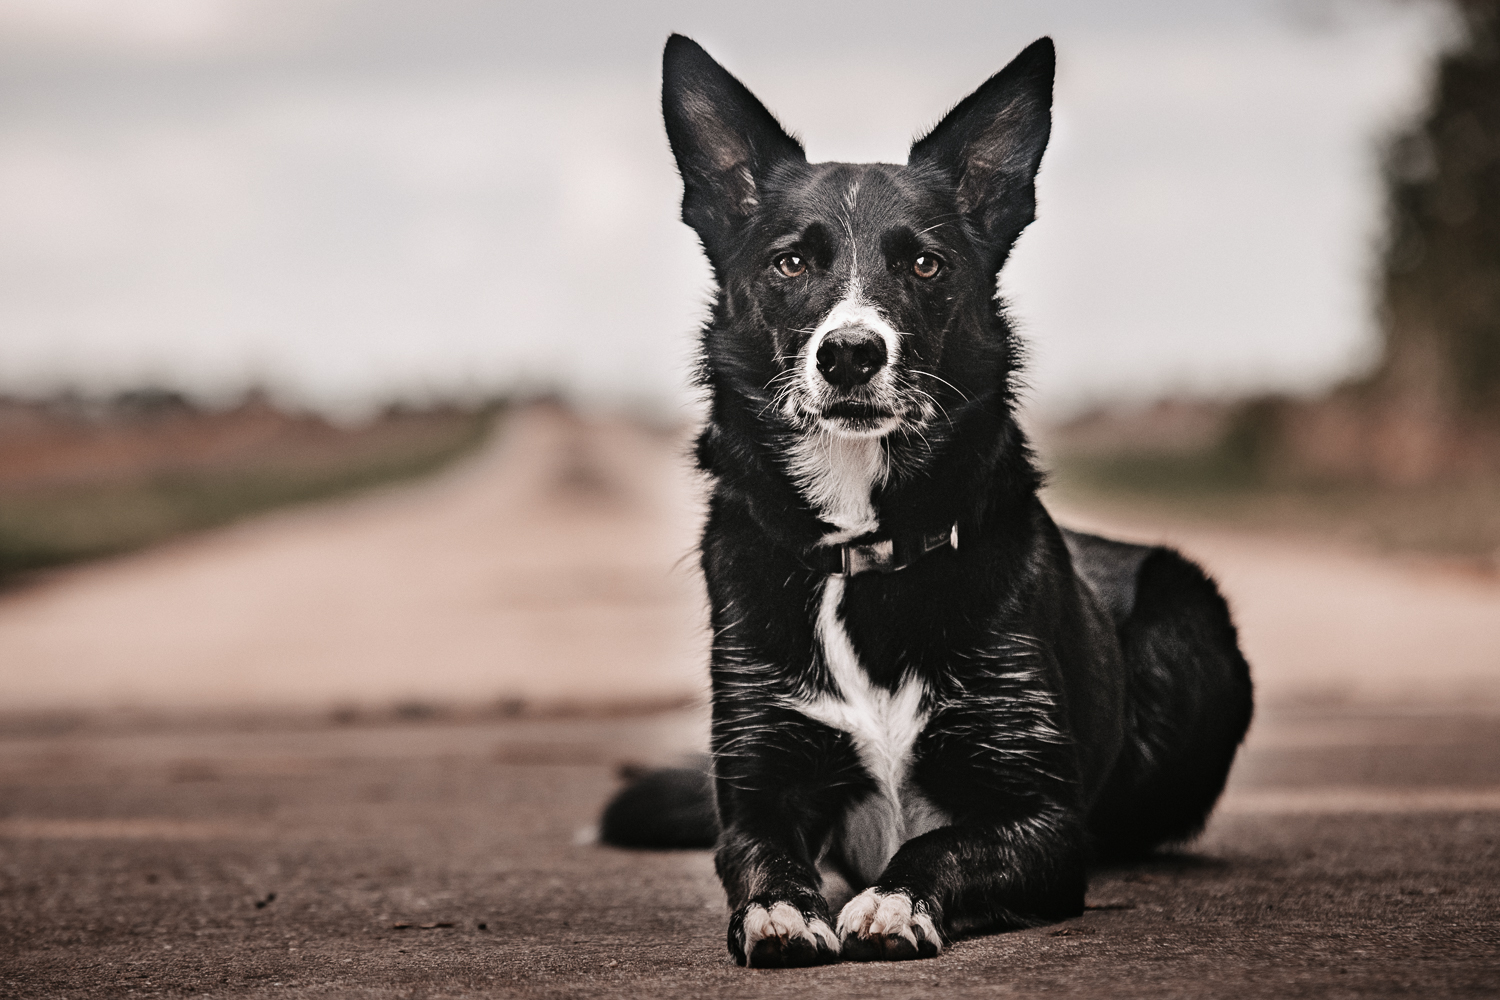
(792, 939)
(887, 925)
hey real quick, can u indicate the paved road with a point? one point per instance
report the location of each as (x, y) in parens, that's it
(547, 569)
(556, 567)
(1357, 853)
(209, 854)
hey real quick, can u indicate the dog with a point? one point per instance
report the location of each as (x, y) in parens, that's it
(920, 682)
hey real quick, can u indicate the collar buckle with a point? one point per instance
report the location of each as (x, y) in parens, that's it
(864, 557)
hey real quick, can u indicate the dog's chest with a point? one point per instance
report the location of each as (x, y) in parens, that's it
(884, 727)
(836, 476)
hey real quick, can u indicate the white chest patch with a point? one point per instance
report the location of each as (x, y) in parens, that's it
(836, 475)
(884, 726)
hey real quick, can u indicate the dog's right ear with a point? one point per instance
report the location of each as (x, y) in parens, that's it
(725, 141)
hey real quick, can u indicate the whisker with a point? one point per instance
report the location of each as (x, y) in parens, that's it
(961, 394)
(941, 409)
(781, 375)
(925, 443)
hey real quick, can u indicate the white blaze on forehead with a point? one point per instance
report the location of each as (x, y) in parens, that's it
(849, 200)
(853, 309)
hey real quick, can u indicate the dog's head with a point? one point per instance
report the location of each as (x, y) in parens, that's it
(856, 299)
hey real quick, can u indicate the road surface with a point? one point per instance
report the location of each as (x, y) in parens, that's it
(356, 750)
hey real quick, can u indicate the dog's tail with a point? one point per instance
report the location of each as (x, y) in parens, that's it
(671, 807)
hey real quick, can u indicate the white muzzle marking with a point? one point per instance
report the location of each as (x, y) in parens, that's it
(852, 310)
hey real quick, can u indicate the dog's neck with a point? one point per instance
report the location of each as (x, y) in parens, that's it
(783, 481)
(837, 476)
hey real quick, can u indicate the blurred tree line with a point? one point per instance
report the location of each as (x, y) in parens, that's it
(1440, 305)
(82, 478)
(1429, 410)
(1407, 454)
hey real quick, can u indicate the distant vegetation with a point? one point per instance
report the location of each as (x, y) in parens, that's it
(1217, 462)
(1406, 455)
(1441, 269)
(1428, 412)
(80, 479)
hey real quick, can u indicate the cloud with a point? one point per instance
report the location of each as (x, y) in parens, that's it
(359, 198)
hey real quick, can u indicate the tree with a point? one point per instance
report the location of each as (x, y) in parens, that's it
(1440, 294)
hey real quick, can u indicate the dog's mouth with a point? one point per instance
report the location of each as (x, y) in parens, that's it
(854, 417)
(849, 409)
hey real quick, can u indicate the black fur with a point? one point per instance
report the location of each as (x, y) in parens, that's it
(1080, 698)
(672, 807)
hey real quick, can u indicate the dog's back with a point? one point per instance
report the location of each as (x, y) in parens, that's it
(1188, 693)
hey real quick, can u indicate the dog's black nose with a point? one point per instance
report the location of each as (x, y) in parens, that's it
(850, 356)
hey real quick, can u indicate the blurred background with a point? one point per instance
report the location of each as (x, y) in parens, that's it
(345, 344)
(347, 528)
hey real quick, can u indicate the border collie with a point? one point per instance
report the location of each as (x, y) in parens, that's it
(920, 682)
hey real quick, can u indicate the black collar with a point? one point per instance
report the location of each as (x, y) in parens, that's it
(878, 553)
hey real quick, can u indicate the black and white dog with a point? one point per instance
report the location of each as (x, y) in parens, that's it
(920, 682)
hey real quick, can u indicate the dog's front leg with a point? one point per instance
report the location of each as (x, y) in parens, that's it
(971, 876)
(780, 917)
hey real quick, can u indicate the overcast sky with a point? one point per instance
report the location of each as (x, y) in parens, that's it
(353, 200)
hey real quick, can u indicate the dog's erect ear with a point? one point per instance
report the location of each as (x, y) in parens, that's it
(724, 139)
(991, 145)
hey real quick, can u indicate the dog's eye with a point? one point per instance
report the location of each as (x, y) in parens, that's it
(791, 265)
(926, 266)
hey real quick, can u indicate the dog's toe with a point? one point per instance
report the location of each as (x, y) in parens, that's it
(779, 935)
(879, 926)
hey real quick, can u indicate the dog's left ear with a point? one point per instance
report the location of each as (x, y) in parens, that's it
(991, 145)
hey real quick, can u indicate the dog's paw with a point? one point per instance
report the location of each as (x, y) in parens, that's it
(875, 926)
(777, 934)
